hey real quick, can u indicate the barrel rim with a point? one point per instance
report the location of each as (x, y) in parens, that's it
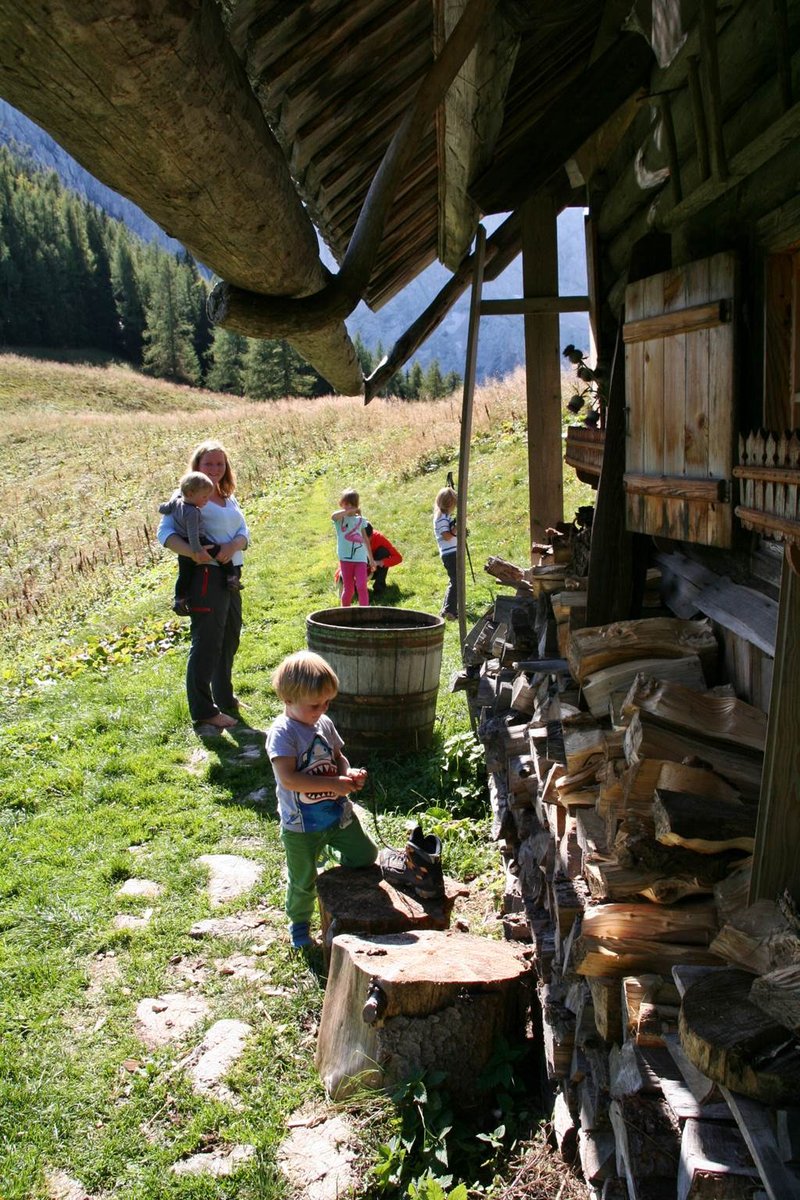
(432, 621)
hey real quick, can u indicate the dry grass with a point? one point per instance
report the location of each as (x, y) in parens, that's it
(89, 451)
(540, 1174)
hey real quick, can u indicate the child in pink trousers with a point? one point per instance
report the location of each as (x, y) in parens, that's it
(355, 553)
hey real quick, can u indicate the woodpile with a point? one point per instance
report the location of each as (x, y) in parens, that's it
(624, 783)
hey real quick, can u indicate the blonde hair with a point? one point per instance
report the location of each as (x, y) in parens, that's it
(350, 496)
(304, 676)
(195, 483)
(445, 501)
(227, 484)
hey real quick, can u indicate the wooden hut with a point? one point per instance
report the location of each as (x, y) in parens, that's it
(396, 126)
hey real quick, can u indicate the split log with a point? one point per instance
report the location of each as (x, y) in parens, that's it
(648, 1002)
(648, 1139)
(759, 938)
(629, 956)
(507, 572)
(597, 1153)
(708, 828)
(694, 924)
(731, 1040)
(681, 777)
(599, 686)
(564, 1129)
(778, 994)
(467, 990)
(715, 1163)
(601, 646)
(704, 1091)
(361, 901)
(722, 719)
(558, 1030)
(607, 1004)
(609, 881)
(646, 738)
(584, 745)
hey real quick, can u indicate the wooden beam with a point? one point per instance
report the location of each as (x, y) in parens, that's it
(709, 60)
(560, 132)
(542, 368)
(273, 316)
(708, 491)
(684, 320)
(501, 249)
(152, 100)
(466, 431)
(776, 864)
(534, 304)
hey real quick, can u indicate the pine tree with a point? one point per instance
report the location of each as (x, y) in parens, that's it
(227, 354)
(274, 370)
(433, 385)
(127, 294)
(168, 337)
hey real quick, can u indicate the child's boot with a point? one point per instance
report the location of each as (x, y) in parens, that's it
(301, 938)
(181, 607)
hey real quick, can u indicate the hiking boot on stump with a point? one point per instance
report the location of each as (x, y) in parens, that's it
(417, 867)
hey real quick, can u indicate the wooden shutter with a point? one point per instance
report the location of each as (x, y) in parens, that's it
(679, 379)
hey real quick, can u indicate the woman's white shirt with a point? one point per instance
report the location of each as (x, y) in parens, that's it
(221, 523)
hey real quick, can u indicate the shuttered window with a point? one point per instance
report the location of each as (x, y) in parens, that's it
(679, 378)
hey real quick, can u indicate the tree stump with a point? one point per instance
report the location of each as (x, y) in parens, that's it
(361, 901)
(434, 1001)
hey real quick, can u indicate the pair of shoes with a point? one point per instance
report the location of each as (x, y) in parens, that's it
(448, 616)
(300, 936)
(417, 867)
(181, 608)
(235, 584)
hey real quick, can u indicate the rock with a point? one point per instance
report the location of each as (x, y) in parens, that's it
(61, 1186)
(168, 1018)
(317, 1158)
(237, 925)
(146, 889)
(216, 1054)
(128, 921)
(219, 1163)
(230, 876)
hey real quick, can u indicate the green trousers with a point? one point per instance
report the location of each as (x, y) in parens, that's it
(355, 849)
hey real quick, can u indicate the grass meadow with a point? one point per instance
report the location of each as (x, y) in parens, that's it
(102, 778)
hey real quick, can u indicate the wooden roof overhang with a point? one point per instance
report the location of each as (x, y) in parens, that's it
(234, 122)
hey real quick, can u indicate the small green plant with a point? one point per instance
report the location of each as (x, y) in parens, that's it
(463, 786)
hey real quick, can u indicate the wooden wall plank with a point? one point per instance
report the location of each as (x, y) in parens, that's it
(696, 424)
(676, 296)
(722, 399)
(776, 863)
(636, 406)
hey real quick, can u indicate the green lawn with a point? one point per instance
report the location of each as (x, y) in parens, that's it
(102, 778)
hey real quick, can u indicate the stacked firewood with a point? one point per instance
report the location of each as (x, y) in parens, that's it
(624, 788)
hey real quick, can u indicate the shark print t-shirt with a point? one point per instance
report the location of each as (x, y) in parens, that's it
(314, 749)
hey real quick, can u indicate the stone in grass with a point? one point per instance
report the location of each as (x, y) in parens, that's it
(167, 1018)
(61, 1186)
(238, 925)
(222, 1045)
(219, 1163)
(131, 922)
(264, 795)
(140, 889)
(318, 1156)
(229, 876)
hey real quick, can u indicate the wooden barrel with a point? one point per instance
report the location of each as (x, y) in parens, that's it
(388, 661)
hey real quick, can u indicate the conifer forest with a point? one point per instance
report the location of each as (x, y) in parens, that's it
(73, 279)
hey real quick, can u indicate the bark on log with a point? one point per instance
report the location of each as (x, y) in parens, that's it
(142, 96)
(682, 819)
(731, 1040)
(442, 999)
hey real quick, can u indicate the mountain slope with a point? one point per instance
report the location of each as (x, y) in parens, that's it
(500, 342)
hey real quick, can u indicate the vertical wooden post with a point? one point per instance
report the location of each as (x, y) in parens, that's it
(542, 367)
(664, 106)
(710, 63)
(466, 428)
(698, 116)
(776, 863)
